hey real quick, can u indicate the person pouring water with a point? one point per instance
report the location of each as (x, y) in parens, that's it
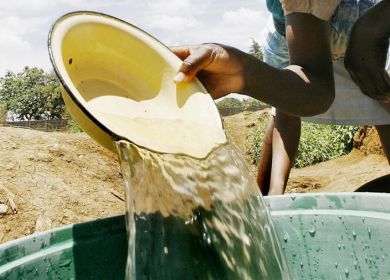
(310, 49)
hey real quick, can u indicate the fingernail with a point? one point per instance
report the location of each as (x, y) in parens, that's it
(180, 77)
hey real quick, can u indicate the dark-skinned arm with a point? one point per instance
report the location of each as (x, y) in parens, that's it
(305, 88)
(367, 50)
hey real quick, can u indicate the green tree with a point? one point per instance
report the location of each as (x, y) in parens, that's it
(229, 102)
(32, 94)
(256, 50)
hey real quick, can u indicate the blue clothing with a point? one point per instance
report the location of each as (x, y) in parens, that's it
(275, 7)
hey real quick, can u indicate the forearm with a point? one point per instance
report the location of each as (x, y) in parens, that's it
(367, 52)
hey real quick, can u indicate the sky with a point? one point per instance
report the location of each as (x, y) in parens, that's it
(24, 24)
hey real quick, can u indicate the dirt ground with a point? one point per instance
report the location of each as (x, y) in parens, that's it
(57, 178)
(239, 126)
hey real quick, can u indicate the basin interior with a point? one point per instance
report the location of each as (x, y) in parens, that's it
(123, 77)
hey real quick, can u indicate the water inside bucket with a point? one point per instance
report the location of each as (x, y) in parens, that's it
(196, 219)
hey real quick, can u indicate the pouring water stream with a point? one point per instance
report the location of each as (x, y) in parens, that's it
(197, 219)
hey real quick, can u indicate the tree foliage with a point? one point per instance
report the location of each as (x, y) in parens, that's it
(31, 95)
(255, 50)
(252, 102)
(229, 102)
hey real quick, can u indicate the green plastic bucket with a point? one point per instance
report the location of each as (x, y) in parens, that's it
(334, 236)
(324, 236)
(92, 250)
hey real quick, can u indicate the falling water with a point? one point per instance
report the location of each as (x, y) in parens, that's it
(196, 219)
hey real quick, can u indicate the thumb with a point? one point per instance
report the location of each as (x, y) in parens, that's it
(199, 58)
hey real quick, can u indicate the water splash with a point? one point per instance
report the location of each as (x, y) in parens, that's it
(312, 231)
(285, 237)
(204, 218)
(369, 232)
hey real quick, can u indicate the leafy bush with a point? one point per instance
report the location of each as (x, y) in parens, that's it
(254, 141)
(3, 112)
(73, 126)
(318, 142)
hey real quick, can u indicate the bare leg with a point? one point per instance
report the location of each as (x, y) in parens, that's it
(384, 135)
(265, 160)
(285, 141)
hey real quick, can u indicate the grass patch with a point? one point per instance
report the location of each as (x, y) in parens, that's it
(318, 142)
(73, 126)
